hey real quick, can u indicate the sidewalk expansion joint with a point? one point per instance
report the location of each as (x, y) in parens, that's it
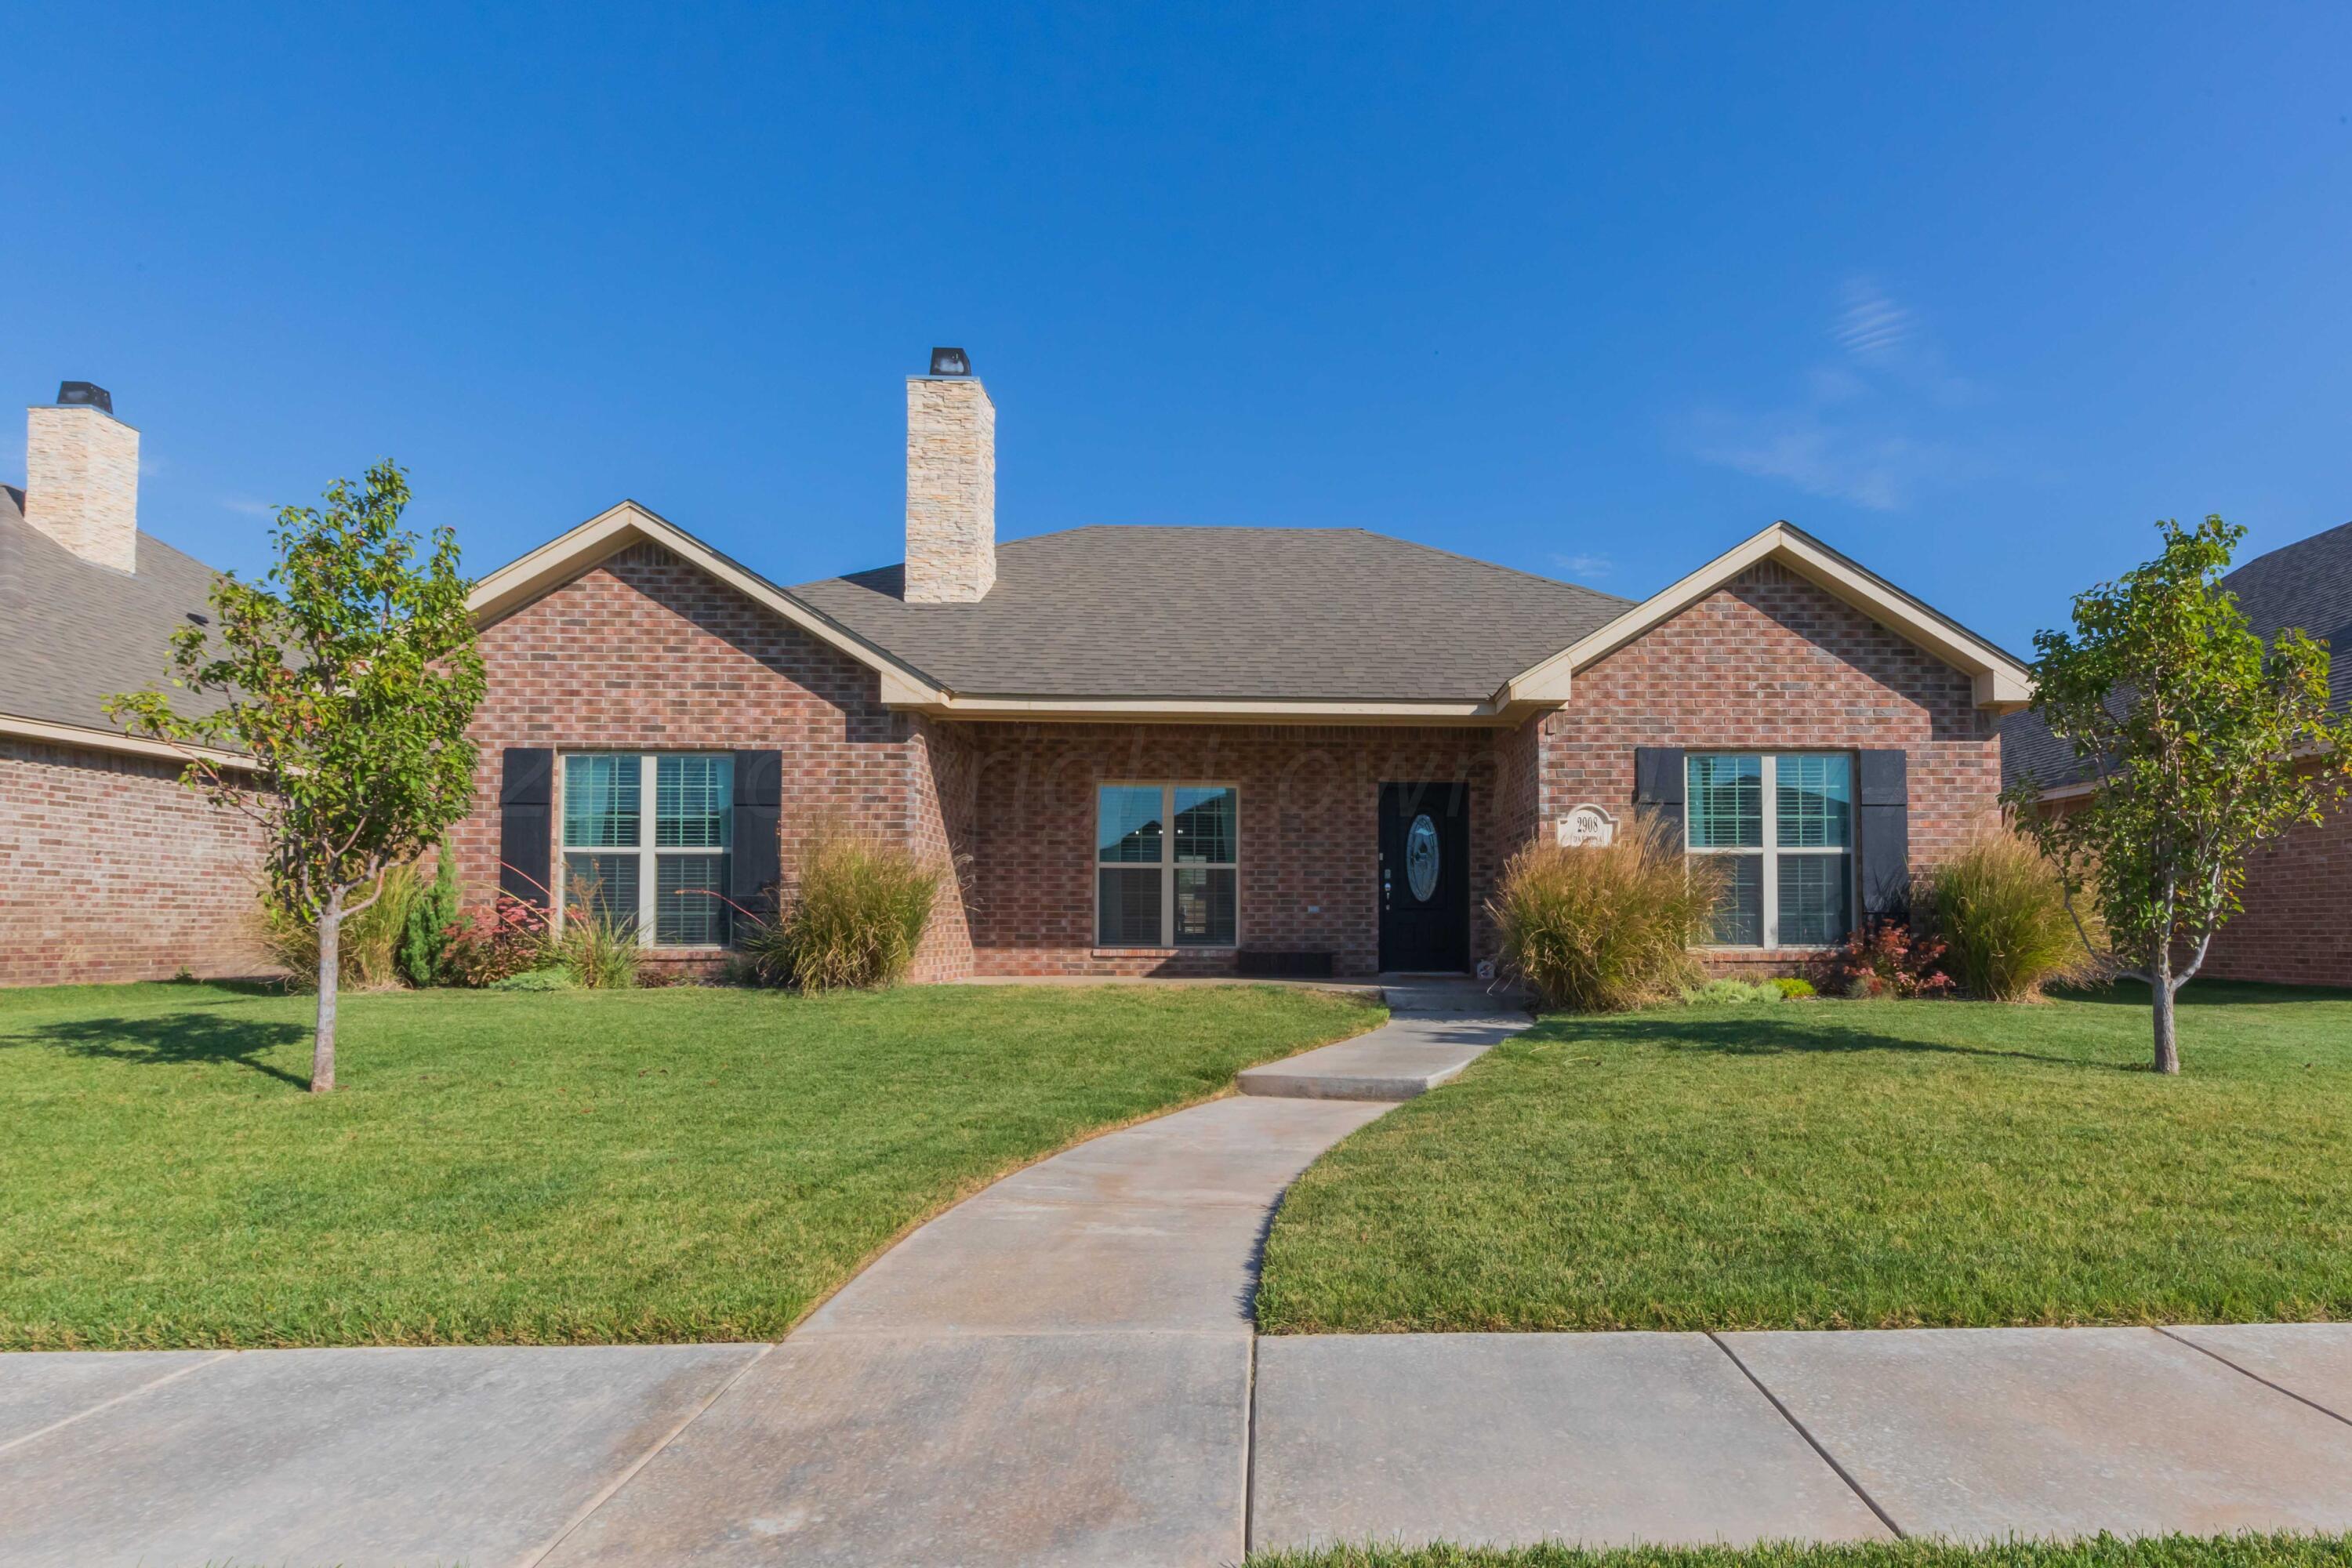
(2258, 1377)
(118, 1399)
(1828, 1458)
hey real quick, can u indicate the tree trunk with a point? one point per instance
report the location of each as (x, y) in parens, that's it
(331, 944)
(2159, 994)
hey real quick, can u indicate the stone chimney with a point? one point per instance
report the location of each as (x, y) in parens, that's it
(951, 484)
(81, 476)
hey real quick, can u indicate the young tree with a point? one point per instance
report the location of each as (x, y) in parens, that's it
(348, 680)
(2202, 742)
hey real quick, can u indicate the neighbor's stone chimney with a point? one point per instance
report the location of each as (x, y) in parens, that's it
(951, 484)
(81, 476)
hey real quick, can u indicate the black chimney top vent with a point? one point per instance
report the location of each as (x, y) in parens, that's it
(951, 362)
(72, 392)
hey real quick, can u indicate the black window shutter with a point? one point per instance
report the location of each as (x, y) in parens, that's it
(759, 828)
(1883, 832)
(1658, 786)
(526, 790)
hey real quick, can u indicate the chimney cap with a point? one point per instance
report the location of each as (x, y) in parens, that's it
(951, 362)
(72, 394)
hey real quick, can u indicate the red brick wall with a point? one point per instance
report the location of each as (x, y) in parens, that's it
(115, 872)
(1773, 663)
(645, 651)
(2296, 927)
(1310, 807)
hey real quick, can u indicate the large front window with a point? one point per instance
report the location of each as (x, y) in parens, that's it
(1166, 865)
(1783, 828)
(663, 872)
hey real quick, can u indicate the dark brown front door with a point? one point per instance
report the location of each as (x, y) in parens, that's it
(1425, 877)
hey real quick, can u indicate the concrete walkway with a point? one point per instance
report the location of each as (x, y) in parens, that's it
(1062, 1370)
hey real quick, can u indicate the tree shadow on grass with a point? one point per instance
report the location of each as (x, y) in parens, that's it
(1779, 1035)
(176, 1039)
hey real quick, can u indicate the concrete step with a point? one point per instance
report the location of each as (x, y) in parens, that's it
(1410, 1055)
(1485, 999)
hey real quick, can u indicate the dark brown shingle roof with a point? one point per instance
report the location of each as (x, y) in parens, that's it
(2307, 584)
(73, 633)
(1309, 615)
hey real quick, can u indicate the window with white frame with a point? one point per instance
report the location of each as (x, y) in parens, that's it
(1783, 826)
(663, 872)
(1166, 865)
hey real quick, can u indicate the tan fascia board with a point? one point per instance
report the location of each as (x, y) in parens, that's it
(50, 732)
(1214, 710)
(2001, 683)
(610, 531)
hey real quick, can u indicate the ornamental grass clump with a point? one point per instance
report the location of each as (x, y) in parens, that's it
(597, 951)
(370, 938)
(853, 917)
(2000, 906)
(1602, 928)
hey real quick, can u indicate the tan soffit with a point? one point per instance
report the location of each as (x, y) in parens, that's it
(2002, 682)
(56, 734)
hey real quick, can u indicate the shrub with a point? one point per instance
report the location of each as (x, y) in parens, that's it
(1604, 928)
(1888, 958)
(432, 917)
(1716, 993)
(598, 950)
(853, 917)
(2000, 910)
(369, 944)
(510, 937)
(1796, 988)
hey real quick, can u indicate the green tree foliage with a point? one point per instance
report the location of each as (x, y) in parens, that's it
(348, 677)
(2202, 740)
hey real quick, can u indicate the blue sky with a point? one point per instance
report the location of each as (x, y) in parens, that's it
(1974, 297)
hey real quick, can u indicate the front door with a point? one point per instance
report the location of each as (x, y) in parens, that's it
(1425, 877)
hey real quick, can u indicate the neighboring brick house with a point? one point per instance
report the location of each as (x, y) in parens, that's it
(1195, 751)
(108, 868)
(2296, 926)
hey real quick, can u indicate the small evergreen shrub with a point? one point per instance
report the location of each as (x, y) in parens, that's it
(1795, 987)
(852, 918)
(1601, 928)
(2000, 910)
(369, 941)
(432, 918)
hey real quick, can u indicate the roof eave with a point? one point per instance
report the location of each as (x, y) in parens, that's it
(616, 528)
(51, 732)
(2002, 682)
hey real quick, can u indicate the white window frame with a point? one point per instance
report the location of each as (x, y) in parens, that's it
(1769, 853)
(1167, 866)
(645, 850)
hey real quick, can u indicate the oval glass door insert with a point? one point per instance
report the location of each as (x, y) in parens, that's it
(1420, 858)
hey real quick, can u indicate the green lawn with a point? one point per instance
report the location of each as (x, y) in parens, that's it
(583, 1167)
(1848, 1164)
(2103, 1552)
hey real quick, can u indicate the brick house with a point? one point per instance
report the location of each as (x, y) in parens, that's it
(1203, 751)
(1143, 751)
(109, 869)
(2295, 928)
